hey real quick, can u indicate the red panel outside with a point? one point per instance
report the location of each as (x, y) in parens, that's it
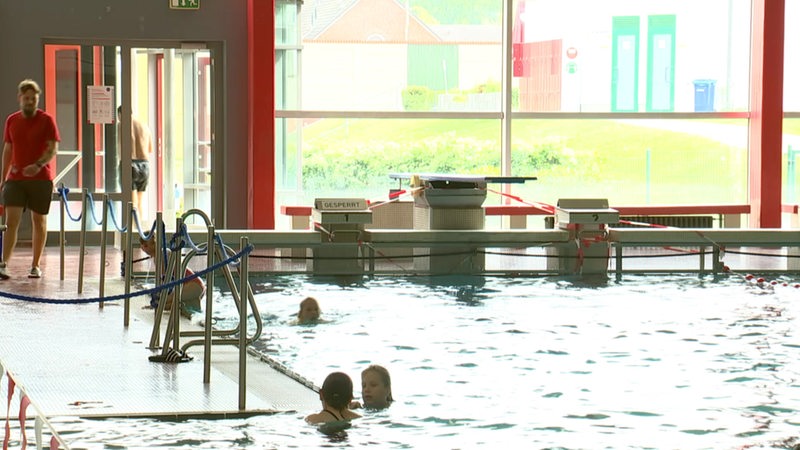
(766, 108)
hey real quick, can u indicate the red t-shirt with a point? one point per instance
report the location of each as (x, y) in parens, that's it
(28, 138)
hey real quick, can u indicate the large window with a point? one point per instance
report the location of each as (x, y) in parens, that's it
(600, 95)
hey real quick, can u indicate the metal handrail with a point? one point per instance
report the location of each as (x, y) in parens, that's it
(175, 261)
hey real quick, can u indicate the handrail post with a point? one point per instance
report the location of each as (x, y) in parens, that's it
(155, 338)
(244, 287)
(82, 257)
(209, 302)
(177, 291)
(62, 236)
(127, 261)
(103, 235)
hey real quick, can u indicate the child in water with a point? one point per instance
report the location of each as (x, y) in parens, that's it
(309, 311)
(192, 291)
(335, 395)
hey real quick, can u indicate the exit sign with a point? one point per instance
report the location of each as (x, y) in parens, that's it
(184, 4)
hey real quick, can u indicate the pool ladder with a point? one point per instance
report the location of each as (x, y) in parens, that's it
(218, 254)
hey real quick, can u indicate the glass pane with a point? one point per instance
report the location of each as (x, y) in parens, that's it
(791, 144)
(589, 56)
(172, 91)
(632, 162)
(354, 157)
(416, 55)
(791, 60)
(87, 154)
(287, 95)
(285, 23)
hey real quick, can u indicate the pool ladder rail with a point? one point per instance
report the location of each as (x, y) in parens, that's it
(218, 257)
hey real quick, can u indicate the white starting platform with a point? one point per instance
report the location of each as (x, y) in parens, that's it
(450, 202)
(586, 220)
(341, 222)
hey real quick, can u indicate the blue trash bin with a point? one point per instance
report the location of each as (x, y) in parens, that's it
(704, 95)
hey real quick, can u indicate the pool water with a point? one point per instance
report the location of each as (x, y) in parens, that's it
(661, 362)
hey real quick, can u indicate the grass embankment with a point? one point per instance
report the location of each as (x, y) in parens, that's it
(625, 163)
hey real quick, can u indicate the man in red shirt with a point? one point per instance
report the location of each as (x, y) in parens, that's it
(30, 142)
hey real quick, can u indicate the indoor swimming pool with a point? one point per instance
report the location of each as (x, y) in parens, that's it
(661, 362)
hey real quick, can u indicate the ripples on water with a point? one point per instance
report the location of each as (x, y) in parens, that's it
(649, 362)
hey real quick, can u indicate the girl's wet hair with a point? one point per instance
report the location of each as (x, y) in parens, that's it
(383, 373)
(337, 390)
(303, 303)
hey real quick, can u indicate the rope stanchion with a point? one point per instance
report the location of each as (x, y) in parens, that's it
(62, 234)
(64, 191)
(82, 256)
(103, 237)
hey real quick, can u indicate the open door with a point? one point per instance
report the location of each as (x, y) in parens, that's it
(171, 93)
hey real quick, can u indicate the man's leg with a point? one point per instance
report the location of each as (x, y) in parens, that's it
(13, 217)
(138, 197)
(39, 223)
(138, 202)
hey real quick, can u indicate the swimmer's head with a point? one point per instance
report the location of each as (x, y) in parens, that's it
(337, 390)
(309, 310)
(376, 387)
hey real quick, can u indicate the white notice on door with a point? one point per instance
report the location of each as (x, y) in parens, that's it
(101, 104)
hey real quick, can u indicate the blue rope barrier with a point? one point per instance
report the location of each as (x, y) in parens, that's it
(64, 191)
(224, 249)
(111, 298)
(92, 211)
(114, 218)
(144, 236)
(188, 239)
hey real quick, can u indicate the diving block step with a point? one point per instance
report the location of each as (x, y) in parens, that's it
(585, 211)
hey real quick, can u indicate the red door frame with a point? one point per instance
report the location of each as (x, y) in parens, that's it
(51, 93)
(159, 102)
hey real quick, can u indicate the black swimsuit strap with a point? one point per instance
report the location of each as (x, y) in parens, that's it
(333, 414)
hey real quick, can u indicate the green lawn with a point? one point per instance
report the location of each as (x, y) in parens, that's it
(603, 158)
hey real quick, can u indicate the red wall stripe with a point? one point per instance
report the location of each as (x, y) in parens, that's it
(261, 114)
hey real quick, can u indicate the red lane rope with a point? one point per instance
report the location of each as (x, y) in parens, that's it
(395, 196)
(8, 411)
(550, 209)
(23, 406)
(644, 224)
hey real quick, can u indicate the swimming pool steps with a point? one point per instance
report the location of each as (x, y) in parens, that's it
(79, 360)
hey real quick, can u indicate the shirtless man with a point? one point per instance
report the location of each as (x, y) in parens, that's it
(140, 161)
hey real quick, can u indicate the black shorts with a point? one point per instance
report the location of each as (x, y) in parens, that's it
(35, 195)
(140, 174)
